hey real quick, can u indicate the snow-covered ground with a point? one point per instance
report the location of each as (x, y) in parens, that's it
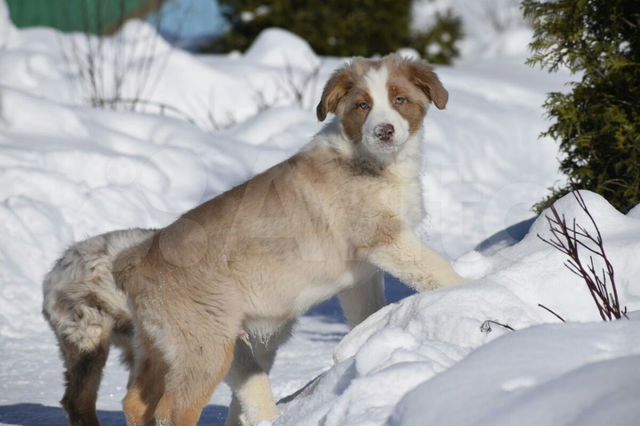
(428, 361)
(68, 171)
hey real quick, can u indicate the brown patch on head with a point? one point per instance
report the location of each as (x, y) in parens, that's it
(341, 81)
(412, 85)
(407, 99)
(346, 94)
(353, 115)
(418, 74)
(422, 75)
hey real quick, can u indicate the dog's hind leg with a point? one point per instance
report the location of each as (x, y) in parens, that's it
(145, 388)
(192, 353)
(192, 379)
(82, 376)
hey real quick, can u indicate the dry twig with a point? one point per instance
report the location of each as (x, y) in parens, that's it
(572, 238)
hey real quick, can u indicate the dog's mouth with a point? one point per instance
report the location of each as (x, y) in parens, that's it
(387, 147)
(382, 146)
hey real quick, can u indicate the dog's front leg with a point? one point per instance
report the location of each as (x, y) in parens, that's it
(408, 259)
(252, 398)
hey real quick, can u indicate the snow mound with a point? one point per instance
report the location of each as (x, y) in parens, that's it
(437, 339)
(573, 374)
(279, 48)
(70, 172)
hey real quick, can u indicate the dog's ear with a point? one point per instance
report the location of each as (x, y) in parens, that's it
(422, 75)
(338, 85)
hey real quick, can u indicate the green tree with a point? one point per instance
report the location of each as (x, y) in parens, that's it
(341, 28)
(598, 122)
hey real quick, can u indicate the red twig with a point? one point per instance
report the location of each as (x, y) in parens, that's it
(569, 239)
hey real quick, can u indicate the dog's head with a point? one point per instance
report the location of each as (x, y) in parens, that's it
(381, 103)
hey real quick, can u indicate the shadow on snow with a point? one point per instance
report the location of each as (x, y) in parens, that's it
(41, 415)
(331, 311)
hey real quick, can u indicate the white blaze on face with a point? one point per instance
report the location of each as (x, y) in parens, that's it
(382, 113)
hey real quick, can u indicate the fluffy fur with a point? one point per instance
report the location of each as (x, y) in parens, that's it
(88, 314)
(207, 294)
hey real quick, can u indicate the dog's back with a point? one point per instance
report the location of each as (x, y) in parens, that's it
(87, 313)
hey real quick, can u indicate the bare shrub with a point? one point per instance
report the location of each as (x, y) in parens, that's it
(214, 124)
(112, 71)
(265, 101)
(300, 86)
(571, 239)
(296, 87)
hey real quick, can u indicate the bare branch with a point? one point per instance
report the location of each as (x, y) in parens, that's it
(568, 240)
(551, 312)
(485, 327)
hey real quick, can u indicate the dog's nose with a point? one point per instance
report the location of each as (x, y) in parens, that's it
(384, 132)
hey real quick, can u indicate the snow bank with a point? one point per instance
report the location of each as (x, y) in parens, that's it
(279, 48)
(71, 172)
(541, 374)
(579, 374)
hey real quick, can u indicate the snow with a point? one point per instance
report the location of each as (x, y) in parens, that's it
(491, 28)
(418, 361)
(69, 171)
(597, 384)
(279, 48)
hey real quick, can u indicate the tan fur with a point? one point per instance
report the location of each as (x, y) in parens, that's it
(261, 254)
(146, 387)
(88, 314)
(423, 77)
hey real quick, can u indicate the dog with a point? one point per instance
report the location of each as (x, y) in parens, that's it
(212, 295)
(88, 314)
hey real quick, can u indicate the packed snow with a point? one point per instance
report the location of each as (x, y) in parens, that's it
(419, 361)
(69, 171)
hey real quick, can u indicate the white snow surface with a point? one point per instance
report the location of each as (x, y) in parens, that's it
(69, 171)
(419, 361)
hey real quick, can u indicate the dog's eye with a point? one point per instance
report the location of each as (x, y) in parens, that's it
(364, 105)
(400, 100)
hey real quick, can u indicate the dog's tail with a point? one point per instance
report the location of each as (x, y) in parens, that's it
(87, 313)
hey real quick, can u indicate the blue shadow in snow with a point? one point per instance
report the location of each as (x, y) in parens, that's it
(394, 290)
(505, 238)
(42, 415)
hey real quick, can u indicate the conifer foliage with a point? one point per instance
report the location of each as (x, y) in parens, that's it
(597, 123)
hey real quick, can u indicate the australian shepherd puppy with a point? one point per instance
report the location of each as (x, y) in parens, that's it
(236, 270)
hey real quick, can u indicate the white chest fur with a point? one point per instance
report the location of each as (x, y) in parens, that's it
(406, 173)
